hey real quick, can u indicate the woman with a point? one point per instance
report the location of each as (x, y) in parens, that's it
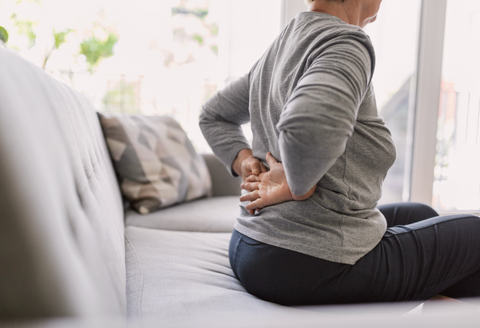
(309, 231)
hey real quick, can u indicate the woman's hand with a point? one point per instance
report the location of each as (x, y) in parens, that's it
(245, 165)
(270, 188)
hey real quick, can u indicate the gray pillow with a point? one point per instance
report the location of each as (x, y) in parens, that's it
(156, 162)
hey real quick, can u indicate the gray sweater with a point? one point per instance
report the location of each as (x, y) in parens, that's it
(310, 103)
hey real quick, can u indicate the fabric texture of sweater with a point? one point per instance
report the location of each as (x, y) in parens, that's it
(311, 104)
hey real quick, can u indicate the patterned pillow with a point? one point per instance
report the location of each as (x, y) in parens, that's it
(155, 160)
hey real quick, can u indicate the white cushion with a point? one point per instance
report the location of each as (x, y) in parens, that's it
(173, 274)
(217, 214)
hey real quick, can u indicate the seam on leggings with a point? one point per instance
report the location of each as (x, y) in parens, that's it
(236, 251)
(428, 226)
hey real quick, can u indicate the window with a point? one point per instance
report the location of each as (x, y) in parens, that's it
(144, 56)
(457, 161)
(395, 38)
(169, 57)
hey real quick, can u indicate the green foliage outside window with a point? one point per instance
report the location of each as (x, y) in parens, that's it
(122, 98)
(201, 31)
(60, 38)
(96, 49)
(214, 29)
(200, 13)
(214, 49)
(198, 38)
(27, 28)
(3, 34)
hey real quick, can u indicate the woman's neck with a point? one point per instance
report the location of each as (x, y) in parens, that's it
(348, 11)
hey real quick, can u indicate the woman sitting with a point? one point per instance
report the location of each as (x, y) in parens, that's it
(310, 231)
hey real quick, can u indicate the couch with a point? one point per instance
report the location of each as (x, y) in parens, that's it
(69, 250)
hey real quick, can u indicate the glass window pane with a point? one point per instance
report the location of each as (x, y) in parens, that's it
(155, 57)
(395, 38)
(457, 164)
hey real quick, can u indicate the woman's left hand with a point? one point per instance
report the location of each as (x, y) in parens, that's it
(269, 188)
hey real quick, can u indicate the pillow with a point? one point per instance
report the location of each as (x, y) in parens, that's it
(156, 162)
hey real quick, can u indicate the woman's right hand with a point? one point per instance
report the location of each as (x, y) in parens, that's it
(270, 188)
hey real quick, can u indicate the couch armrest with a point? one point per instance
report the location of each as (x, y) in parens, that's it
(223, 184)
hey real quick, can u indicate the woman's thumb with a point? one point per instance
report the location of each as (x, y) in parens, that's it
(256, 168)
(271, 160)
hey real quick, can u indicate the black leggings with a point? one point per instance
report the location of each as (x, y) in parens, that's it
(421, 255)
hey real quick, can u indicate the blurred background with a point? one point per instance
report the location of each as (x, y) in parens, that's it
(168, 57)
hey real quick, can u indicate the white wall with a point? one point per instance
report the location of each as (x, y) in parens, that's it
(252, 26)
(290, 9)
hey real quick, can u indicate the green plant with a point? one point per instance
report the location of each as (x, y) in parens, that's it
(198, 38)
(200, 13)
(3, 34)
(60, 37)
(26, 27)
(214, 29)
(59, 40)
(96, 49)
(214, 49)
(122, 98)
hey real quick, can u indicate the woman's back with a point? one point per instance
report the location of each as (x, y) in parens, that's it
(311, 93)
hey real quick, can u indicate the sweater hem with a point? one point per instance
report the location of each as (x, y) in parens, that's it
(324, 253)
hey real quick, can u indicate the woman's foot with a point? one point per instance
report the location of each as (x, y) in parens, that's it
(440, 301)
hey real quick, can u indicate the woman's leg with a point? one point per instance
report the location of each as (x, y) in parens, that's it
(412, 262)
(406, 213)
(440, 255)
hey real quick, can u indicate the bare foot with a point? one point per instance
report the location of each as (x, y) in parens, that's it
(435, 302)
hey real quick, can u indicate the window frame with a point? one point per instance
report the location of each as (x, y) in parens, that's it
(424, 120)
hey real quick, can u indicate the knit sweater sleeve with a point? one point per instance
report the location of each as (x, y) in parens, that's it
(320, 114)
(221, 119)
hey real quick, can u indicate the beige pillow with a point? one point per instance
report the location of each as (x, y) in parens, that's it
(155, 160)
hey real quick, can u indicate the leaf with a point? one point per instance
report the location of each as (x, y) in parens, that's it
(3, 34)
(95, 49)
(60, 37)
(26, 27)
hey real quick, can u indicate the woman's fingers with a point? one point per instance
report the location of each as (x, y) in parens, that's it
(253, 178)
(250, 196)
(258, 204)
(263, 168)
(252, 212)
(271, 160)
(250, 186)
(256, 168)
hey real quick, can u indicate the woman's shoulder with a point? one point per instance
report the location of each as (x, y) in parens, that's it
(326, 31)
(323, 21)
(319, 28)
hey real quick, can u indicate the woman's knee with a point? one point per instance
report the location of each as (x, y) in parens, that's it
(423, 209)
(406, 213)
